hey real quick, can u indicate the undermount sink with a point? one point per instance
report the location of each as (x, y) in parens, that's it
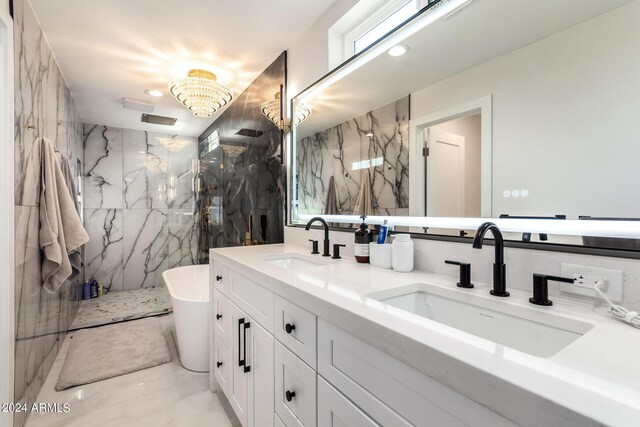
(526, 330)
(292, 261)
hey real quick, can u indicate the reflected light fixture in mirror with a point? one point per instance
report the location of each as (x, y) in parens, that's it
(233, 151)
(201, 93)
(173, 144)
(271, 110)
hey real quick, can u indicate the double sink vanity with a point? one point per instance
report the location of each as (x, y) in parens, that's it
(304, 340)
(496, 111)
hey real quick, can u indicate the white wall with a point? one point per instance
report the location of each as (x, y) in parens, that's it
(6, 215)
(469, 128)
(565, 118)
(308, 59)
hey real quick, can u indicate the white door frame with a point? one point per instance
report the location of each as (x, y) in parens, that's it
(417, 197)
(7, 301)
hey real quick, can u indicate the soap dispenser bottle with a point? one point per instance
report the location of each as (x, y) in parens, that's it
(362, 240)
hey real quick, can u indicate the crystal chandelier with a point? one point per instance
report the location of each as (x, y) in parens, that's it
(201, 93)
(271, 110)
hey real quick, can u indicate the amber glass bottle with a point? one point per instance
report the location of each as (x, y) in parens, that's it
(363, 238)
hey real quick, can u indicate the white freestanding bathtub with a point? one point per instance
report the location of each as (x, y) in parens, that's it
(189, 290)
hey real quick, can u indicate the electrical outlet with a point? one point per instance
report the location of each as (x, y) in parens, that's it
(609, 281)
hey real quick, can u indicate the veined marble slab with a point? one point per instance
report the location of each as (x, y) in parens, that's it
(244, 176)
(379, 134)
(44, 108)
(140, 205)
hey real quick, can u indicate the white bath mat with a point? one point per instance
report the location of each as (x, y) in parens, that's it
(116, 307)
(109, 351)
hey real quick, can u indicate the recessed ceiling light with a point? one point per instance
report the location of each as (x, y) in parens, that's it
(154, 92)
(398, 50)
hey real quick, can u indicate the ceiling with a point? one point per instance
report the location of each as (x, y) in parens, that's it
(480, 32)
(111, 49)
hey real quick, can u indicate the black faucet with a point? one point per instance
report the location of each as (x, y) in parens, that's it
(326, 233)
(499, 268)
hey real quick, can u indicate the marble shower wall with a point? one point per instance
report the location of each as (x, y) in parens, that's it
(334, 151)
(139, 205)
(42, 101)
(245, 176)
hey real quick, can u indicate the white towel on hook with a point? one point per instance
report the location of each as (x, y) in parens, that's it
(61, 230)
(75, 257)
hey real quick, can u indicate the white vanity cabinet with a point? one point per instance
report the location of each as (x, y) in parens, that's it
(335, 410)
(280, 365)
(295, 389)
(243, 364)
(390, 392)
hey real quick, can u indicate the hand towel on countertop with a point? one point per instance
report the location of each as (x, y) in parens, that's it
(61, 230)
(75, 257)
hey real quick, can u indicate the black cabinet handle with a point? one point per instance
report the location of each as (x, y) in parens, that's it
(218, 278)
(218, 316)
(218, 364)
(241, 362)
(289, 327)
(289, 395)
(247, 368)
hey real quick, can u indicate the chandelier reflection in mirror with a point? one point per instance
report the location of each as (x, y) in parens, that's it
(201, 93)
(173, 144)
(271, 110)
(233, 151)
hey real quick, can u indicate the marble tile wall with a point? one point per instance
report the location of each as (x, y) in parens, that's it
(139, 205)
(332, 152)
(43, 102)
(244, 176)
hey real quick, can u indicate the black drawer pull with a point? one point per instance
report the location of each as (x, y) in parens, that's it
(218, 278)
(240, 360)
(218, 316)
(289, 395)
(243, 331)
(219, 364)
(289, 327)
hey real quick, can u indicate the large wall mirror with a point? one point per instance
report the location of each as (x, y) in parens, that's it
(503, 109)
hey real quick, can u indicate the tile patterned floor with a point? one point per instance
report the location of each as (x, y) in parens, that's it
(163, 396)
(118, 306)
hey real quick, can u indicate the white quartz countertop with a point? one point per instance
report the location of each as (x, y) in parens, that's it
(593, 381)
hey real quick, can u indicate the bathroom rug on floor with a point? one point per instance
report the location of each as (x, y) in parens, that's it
(109, 351)
(116, 307)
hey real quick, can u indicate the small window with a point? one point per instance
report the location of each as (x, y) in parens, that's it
(379, 23)
(396, 18)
